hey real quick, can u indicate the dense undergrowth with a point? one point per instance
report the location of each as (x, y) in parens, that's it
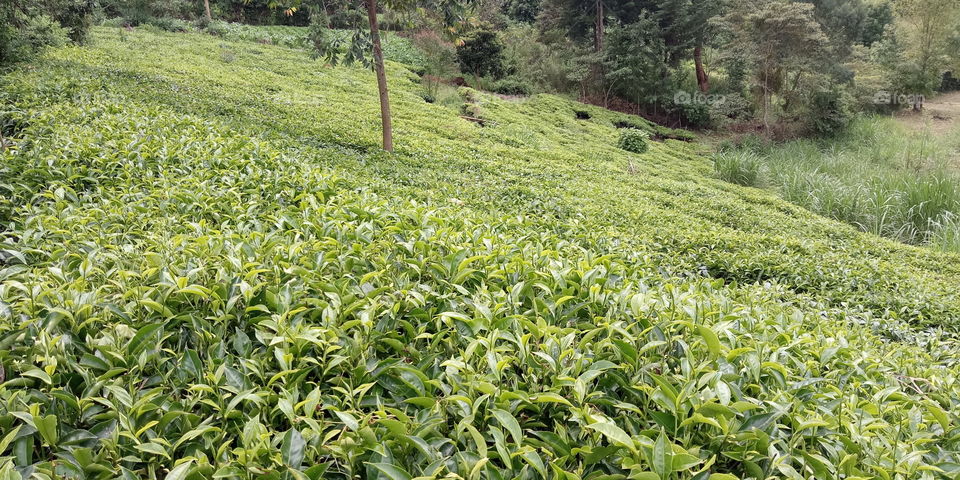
(210, 271)
(877, 176)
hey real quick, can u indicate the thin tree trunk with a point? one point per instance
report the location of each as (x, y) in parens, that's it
(702, 80)
(381, 76)
(206, 6)
(598, 28)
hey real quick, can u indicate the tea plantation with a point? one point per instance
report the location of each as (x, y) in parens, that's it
(209, 270)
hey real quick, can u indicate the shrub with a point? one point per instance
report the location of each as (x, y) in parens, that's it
(481, 54)
(34, 33)
(631, 122)
(216, 28)
(439, 59)
(135, 12)
(170, 24)
(115, 22)
(692, 114)
(732, 106)
(512, 86)
(76, 16)
(829, 112)
(633, 140)
(674, 133)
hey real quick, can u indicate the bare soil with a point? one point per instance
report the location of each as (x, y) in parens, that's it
(940, 115)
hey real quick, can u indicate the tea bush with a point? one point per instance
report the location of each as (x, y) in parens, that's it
(633, 140)
(209, 270)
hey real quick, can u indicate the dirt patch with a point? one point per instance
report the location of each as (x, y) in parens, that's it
(940, 115)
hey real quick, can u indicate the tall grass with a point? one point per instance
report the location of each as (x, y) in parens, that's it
(877, 176)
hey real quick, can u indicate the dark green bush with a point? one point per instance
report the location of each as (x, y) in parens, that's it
(674, 133)
(829, 112)
(512, 85)
(170, 24)
(482, 54)
(76, 16)
(732, 106)
(22, 41)
(633, 140)
(692, 114)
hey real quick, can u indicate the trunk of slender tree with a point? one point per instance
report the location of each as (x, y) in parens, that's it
(598, 27)
(597, 68)
(702, 80)
(206, 7)
(381, 76)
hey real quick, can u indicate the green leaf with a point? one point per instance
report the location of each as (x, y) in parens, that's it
(181, 471)
(38, 374)
(141, 338)
(8, 438)
(391, 471)
(710, 338)
(614, 434)
(349, 420)
(292, 449)
(550, 398)
(510, 423)
(662, 456)
(153, 448)
(723, 476)
(47, 426)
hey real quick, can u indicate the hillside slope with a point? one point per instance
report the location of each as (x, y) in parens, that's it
(209, 263)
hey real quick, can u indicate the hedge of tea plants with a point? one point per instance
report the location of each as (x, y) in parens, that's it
(208, 270)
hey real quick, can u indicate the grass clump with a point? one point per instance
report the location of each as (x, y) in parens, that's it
(633, 140)
(222, 277)
(740, 167)
(877, 177)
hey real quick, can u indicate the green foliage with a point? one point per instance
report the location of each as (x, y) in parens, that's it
(210, 271)
(28, 27)
(633, 57)
(740, 167)
(693, 114)
(34, 33)
(829, 112)
(512, 85)
(524, 11)
(633, 140)
(439, 60)
(481, 54)
(876, 176)
(170, 24)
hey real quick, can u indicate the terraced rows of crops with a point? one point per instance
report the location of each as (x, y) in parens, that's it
(210, 271)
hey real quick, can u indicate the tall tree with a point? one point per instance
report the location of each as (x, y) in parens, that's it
(781, 41)
(927, 26)
(366, 41)
(385, 118)
(700, 17)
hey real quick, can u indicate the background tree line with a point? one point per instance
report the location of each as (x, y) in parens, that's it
(783, 66)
